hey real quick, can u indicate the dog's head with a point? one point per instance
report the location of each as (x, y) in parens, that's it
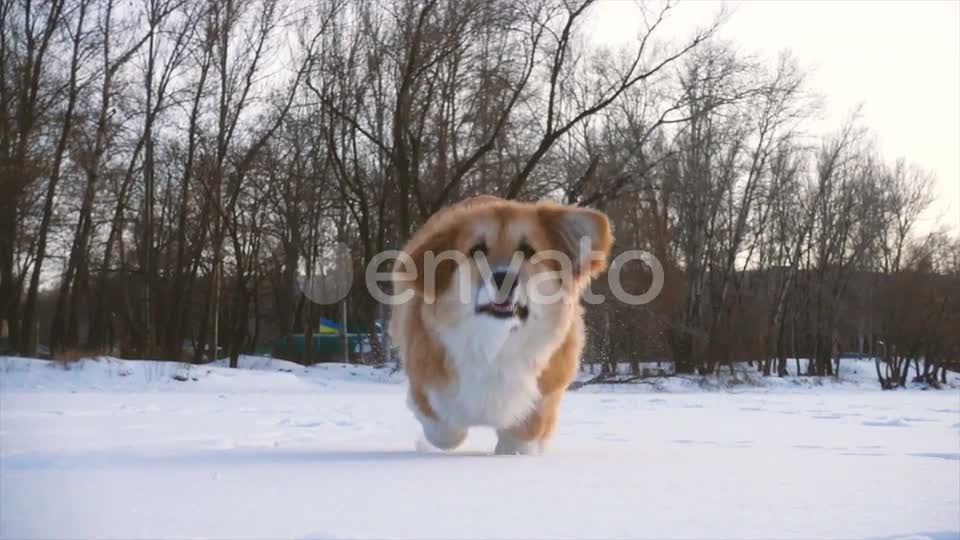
(495, 259)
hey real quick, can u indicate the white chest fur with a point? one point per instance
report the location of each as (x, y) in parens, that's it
(496, 364)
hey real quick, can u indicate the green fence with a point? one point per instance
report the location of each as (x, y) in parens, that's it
(326, 347)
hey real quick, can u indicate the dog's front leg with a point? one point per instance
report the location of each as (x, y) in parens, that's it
(442, 435)
(437, 432)
(531, 435)
(508, 442)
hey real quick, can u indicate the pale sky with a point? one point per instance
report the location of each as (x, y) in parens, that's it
(901, 60)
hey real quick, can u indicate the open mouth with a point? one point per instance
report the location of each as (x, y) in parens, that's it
(504, 310)
(498, 297)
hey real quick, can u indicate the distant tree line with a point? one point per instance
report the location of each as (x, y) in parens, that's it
(170, 168)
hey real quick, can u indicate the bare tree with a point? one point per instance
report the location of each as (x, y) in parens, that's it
(79, 35)
(172, 169)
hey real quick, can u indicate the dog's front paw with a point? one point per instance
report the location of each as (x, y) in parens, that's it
(442, 436)
(508, 444)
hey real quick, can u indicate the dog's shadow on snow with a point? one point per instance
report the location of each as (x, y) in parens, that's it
(369, 455)
(212, 458)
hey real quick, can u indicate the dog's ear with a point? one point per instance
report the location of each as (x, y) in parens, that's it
(581, 234)
(431, 254)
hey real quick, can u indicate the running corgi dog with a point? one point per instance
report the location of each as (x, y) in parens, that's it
(491, 329)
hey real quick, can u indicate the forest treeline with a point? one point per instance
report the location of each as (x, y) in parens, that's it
(171, 168)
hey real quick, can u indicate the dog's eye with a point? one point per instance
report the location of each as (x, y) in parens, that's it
(526, 250)
(480, 247)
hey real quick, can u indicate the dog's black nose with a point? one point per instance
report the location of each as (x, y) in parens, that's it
(499, 278)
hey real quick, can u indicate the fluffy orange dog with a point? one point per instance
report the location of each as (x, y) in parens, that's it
(492, 329)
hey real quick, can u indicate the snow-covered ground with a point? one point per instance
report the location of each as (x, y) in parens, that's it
(147, 449)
